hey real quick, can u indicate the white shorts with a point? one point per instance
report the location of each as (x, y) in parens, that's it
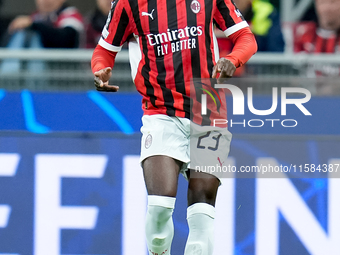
(179, 138)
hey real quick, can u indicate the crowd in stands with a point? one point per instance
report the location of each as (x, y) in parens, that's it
(264, 21)
(3, 23)
(56, 24)
(322, 36)
(95, 22)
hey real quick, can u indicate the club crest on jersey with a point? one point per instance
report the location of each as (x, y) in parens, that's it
(195, 6)
(148, 141)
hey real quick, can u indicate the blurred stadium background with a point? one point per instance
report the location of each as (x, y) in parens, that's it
(70, 181)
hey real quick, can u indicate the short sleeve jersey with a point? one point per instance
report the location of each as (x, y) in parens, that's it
(176, 42)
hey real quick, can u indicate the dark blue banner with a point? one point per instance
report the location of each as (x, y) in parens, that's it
(65, 193)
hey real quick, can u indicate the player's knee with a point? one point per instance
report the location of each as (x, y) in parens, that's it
(159, 214)
(200, 218)
(160, 209)
(164, 191)
(159, 227)
(202, 190)
(201, 197)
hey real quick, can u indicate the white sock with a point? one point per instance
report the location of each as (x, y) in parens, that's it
(159, 228)
(200, 217)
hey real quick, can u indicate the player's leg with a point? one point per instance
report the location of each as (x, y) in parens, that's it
(202, 193)
(209, 147)
(161, 179)
(164, 139)
(161, 175)
(202, 188)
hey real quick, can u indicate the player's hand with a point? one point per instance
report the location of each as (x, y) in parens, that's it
(101, 80)
(21, 22)
(225, 68)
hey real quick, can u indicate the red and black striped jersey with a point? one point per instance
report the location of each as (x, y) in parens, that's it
(311, 39)
(176, 44)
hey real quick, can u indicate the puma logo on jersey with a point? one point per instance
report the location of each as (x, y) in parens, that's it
(148, 14)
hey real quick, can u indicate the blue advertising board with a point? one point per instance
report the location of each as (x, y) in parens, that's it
(45, 112)
(84, 194)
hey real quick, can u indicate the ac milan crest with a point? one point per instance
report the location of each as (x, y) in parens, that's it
(148, 141)
(195, 6)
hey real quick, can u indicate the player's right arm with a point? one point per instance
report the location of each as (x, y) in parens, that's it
(102, 63)
(115, 33)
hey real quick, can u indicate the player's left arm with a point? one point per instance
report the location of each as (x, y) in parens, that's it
(230, 20)
(245, 47)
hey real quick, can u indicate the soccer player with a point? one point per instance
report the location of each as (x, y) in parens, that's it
(175, 44)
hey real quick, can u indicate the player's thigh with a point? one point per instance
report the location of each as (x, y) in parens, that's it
(161, 175)
(164, 149)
